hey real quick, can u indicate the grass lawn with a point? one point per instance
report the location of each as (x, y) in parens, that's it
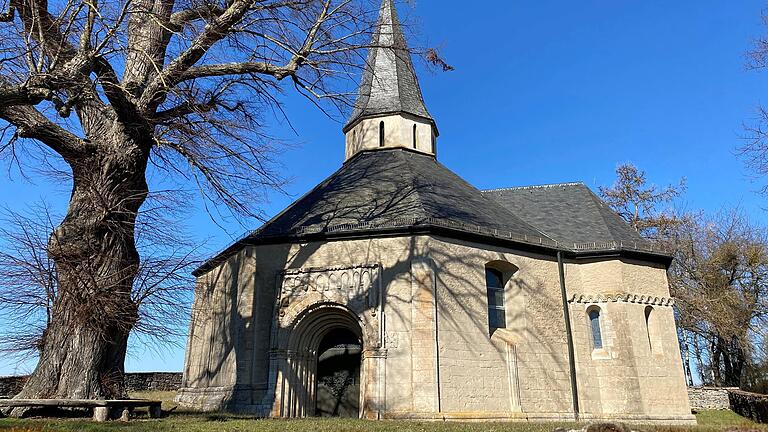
(194, 422)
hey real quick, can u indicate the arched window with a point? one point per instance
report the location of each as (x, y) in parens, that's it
(414, 135)
(494, 282)
(655, 330)
(648, 312)
(594, 325)
(381, 134)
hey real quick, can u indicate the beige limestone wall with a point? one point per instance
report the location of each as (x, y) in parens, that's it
(232, 363)
(220, 334)
(522, 368)
(616, 276)
(438, 357)
(398, 132)
(638, 372)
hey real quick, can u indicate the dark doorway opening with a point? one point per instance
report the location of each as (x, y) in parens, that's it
(338, 375)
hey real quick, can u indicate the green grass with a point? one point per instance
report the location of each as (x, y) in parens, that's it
(709, 421)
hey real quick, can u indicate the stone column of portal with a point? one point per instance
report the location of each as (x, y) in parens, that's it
(305, 388)
(424, 378)
(311, 364)
(279, 364)
(372, 385)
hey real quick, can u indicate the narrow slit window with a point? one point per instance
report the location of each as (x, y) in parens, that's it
(414, 136)
(648, 313)
(381, 134)
(494, 281)
(594, 324)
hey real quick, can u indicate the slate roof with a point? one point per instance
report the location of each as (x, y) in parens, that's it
(389, 84)
(396, 190)
(569, 213)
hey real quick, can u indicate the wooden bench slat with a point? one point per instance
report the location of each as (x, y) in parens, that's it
(78, 403)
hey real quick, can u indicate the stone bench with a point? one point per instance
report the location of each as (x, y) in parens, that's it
(102, 409)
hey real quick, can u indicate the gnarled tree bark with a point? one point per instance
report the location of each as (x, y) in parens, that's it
(84, 347)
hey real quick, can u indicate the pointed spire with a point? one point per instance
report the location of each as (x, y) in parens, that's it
(389, 84)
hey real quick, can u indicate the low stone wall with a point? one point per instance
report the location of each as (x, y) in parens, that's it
(711, 398)
(751, 405)
(139, 381)
(11, 385)
(153, 381)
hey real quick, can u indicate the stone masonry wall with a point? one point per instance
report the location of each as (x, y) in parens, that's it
(11, 385)
(153, 381)
(710, 397)
(141, 381)
(751, 405)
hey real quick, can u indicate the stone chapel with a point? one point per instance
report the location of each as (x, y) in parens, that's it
(396, 290)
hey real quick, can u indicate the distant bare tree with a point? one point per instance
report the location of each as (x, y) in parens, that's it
(638, 202)
(29, 290)
(720, 282)
(755, 147)
(27, 280)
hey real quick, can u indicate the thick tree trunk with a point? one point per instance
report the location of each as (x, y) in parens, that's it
(734, 362)
(84, 346)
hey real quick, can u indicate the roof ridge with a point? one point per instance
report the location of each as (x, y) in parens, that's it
(493, 202)
(542, 186)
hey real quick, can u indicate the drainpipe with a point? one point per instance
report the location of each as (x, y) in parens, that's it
(437, 336)
(569, 336)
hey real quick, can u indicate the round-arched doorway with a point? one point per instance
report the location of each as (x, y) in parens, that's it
(338, 374)
(321, 372)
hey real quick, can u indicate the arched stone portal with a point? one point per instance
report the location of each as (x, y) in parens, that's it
(325, 343)
(314, 304)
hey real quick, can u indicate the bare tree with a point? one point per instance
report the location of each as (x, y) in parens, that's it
(638, 202)
(720, 281)
(115, 87)
(28, 279)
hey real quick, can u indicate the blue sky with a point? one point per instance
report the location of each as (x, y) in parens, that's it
(544, 92)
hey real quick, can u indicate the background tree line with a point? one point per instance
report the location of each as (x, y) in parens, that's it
(719, 279)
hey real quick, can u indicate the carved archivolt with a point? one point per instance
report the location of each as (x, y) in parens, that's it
(355, 287)
(625, 298)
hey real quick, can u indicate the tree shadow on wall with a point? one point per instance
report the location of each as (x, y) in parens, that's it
(370, 193)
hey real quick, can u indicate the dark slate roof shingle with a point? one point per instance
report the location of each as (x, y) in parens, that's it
(394, 188)
(569, 213)
(389, 84)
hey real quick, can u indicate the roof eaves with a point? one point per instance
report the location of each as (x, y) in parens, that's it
(441, 226)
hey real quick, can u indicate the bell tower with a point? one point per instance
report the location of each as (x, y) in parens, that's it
(390, 110)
